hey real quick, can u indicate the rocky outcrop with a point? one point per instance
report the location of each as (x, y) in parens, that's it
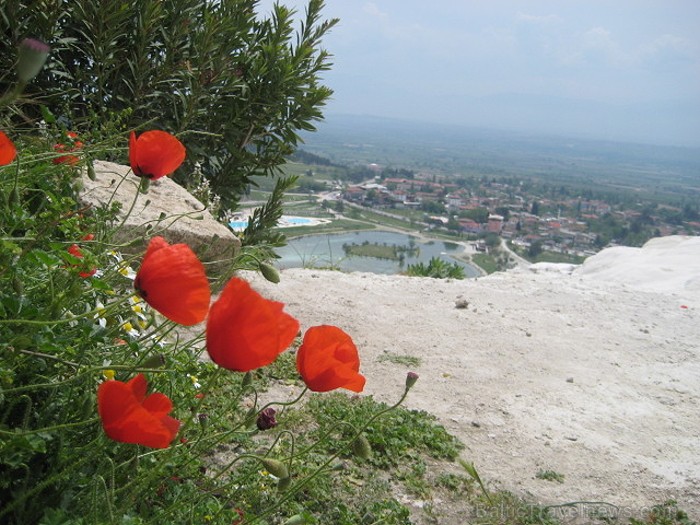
(167, 210)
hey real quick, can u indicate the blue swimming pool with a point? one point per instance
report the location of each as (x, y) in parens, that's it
(297, 221)
(238, 225)
(284, 221)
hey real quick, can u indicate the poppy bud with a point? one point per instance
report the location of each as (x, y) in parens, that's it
(247, 380)
(361, 447)
(17, 286)
(266, 419)
(91, 172)
(155, 361)
(411, 379)
(31, 58)
(283, 484)
(275, 467)
(145, 185)
(13, 199)
(250, 417)
(203, 420)
(269, 272)
(297, 519)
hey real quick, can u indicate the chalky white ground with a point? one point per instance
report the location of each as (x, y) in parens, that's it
(592, 372)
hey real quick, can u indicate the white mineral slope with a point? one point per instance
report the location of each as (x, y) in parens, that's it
(592, 372)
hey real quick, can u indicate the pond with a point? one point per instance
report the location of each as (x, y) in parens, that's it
(335, 250)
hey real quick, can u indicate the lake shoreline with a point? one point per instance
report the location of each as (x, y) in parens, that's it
(301, 257)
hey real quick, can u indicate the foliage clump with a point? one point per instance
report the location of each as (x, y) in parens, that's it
(436, 268)
(236, 87)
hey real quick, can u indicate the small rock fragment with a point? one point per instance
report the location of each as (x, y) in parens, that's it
(461, 304)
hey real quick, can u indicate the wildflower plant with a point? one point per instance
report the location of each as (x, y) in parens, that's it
(120, 377)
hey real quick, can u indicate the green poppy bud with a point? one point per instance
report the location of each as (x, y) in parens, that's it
(17, 286)
(361, 447)
(155, 361)
(297, 519)
(31, 58)
(250, 417)
(283, 484)
(269, 272)
(13, 200)
(91, 172)
(144, 186)
(275, 467)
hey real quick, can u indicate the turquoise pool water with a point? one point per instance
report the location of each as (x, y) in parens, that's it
(297, 221)
(284, 221)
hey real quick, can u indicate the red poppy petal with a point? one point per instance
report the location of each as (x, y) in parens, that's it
(115, 400)
(245, 331)
(155, 154)
(158, 403)
(172, 426)
(328, 359)
(142, 428)
(132, 154)
(8, 152)
(173, 281)
(335, 377)
(126, 419)
(138, 386)
(74, 250)
(155, 244)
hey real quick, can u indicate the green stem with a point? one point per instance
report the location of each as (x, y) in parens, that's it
(78, 375)
(49, 356)
(302, 483)
(103, 311)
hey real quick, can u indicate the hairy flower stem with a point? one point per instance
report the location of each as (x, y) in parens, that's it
(324, 466)
(49, 429)
(79, 374)
(100, 311)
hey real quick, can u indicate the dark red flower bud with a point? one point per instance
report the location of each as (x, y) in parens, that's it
(266, 419)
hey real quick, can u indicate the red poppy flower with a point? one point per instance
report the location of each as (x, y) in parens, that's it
(74, 250)
(75, 145)
(245, 331)
(8, 152)
(129, 416)
(155, 154)
(173, 281)
(327, 359)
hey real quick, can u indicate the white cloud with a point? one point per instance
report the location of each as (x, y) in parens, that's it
(539, 19)
(668, 45)
(371, 9)
(595, 46)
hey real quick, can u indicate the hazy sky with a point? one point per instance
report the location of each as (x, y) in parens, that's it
(609, 69)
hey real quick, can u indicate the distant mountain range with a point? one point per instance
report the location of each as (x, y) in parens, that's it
(353, 139)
